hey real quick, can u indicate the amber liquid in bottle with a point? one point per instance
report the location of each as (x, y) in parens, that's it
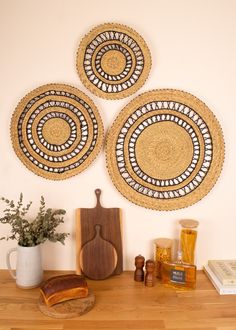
(179, 275)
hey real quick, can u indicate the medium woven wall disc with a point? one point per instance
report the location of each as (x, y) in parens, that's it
(56, 131)
(113, 61)
(165, 150)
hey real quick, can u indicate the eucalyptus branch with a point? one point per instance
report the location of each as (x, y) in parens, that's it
(41, 228)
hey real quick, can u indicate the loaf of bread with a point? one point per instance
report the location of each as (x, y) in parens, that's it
(64, 287)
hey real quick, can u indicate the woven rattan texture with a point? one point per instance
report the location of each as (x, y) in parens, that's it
(56, 131)
(113, 61)
(165, 150)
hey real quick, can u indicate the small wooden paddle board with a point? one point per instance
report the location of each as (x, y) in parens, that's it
(103, 256)
(109, 222)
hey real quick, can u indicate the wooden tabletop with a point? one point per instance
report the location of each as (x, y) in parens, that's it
(122, 303)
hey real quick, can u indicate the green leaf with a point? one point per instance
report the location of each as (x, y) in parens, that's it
(30, 233)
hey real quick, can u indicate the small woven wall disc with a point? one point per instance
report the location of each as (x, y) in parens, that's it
(113, 61)
(56, 131)
(165, 150)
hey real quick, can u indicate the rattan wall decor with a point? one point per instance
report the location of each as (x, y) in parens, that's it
(113, 61)
(165, 150)
(56, 131)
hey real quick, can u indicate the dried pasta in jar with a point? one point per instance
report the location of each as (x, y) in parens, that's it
(188, 239)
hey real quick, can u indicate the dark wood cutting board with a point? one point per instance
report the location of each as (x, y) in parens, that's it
(103, 256)
(109, 220)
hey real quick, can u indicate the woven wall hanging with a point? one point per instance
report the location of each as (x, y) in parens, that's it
(113, 61)
(56, 131)
(165, 150)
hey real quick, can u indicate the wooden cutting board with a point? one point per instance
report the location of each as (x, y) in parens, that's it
(103, 256)
(68, 309)
(109, 221)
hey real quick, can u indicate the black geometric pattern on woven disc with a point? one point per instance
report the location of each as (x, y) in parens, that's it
(165, 150)
(113, 61)
(56, 131)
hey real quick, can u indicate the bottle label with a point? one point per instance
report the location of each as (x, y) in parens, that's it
(177, 276)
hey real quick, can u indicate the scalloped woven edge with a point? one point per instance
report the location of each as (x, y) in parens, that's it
(26, 162)
(179, 203)
(93, 89)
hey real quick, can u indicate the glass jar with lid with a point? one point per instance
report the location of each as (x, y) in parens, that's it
(162, 252)
(188, 238)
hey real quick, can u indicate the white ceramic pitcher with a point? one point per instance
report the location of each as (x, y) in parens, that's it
(29, 271)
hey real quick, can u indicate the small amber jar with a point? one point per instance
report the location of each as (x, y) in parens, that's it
(162, 252)
(188, 238)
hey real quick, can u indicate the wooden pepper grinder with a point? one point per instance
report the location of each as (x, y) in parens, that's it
(139, 272)
(149, 277)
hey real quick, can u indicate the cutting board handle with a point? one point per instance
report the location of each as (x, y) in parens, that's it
(98, 194)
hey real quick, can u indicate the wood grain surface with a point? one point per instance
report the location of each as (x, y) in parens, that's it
(110, 221)
(122, 303)
(68, 309)
(98, 257)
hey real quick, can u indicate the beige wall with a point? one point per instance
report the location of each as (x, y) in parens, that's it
(193, 48)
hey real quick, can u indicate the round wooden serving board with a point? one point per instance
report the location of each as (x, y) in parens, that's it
(68, 309)
(98, 257)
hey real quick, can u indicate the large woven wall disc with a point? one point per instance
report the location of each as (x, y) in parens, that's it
(165, 150)
(113, 61)
(56, 131)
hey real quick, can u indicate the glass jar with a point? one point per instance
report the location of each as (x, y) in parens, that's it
(179, 275)
(188, 238)
(162, 252)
